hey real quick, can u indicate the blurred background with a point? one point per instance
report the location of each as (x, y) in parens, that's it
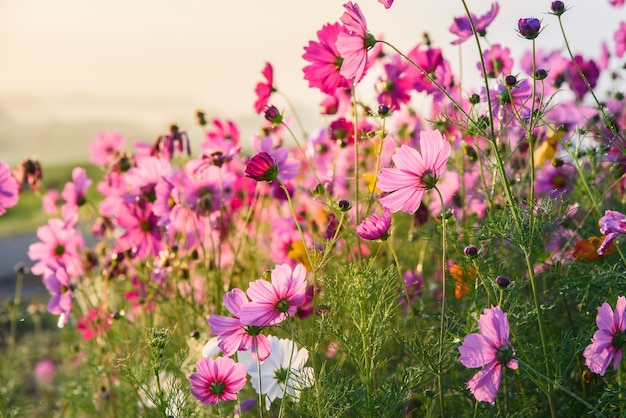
(71, 68)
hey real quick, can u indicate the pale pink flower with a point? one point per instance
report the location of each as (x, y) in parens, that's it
(9, 188)
(609, 340)
(271, 303)
(234, 336)
(414, 173)
(354, 43)
(217, 380)
(375, 227)
(60, 243)
(491, 349)
(104, 147)
(75, 191)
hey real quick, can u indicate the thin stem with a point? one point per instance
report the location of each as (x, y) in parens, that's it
(443, 302)
(527, 367)
(295, 219)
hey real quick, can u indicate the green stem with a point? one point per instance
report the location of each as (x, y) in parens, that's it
(443, 303)
(528, 368)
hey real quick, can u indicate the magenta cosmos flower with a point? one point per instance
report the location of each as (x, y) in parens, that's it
(323, 72)
(414, 173)
(8, 188)
(271, 303)
(462, 26)
(375, 226)
(60, 243)
(620, 40)
(264, 89)
(612, 224)
(217, 380)
(262, 167)
(354, 43)
(386, 3)
(491, 349)
(608, 342)
(234, 336)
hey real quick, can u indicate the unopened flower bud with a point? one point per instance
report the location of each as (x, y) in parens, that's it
(471, 251)
(540, 74)
(344, 205)
(557, 7)
(529, 27)
(474, 99)
(384, 110)
(510, 80)
(273, 115)
(503, 281)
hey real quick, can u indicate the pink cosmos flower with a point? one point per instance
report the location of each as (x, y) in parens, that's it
(354, 43)
(288, 167)
(104, 147)
(141, 231)
(617, 3)
(221, 143)
(375, 226)
(50, 202)
(608, 342)
(9, 188)
(234, 336)
(591, 71)
(60, 243)
(264, 89)
(386, 3)
(395, 84)
(217, 380)
(555, 181)
(262, 167)
(463, 28)
(432, 62)
(271, 303)
(75, 191)
(414, 173)
(612, 224)
(94, 323)
(323, 72)
(45, 372)
(498, 61)
(620, 40)
(59, 285)
(491, 349)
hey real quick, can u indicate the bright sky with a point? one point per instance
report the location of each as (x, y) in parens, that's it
(157, 61)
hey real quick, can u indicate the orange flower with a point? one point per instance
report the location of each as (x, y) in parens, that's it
(462, 280)
(587, 249)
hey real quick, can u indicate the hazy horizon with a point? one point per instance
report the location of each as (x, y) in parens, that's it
(69, 65)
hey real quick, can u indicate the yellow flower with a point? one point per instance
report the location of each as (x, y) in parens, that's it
(297, 251)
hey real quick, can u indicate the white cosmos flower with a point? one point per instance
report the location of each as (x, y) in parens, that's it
(283, 372)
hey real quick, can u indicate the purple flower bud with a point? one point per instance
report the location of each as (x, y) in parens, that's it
(529, 27)
(540, 74)
(273, 115)
(503, 281)
(510, 80)
(557, 7)
(262, 167)
(470, 251)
